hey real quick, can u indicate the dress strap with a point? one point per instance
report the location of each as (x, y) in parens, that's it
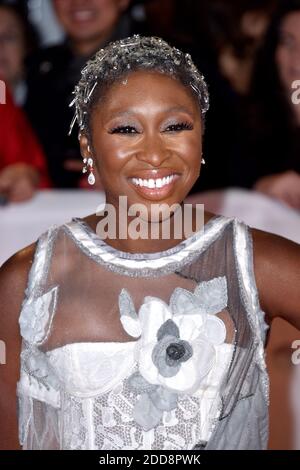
(38, 306)
(243, 248)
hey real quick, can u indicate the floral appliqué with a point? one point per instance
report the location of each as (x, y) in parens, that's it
(176, 345)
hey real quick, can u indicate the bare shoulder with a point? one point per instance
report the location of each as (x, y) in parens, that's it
(13, 281)
(14, 272)
(277, 272)
(272, 252)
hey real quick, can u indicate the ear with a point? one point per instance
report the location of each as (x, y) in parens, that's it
(84, 146)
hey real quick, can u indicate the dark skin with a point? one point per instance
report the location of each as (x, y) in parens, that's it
(149, 127)
(119, 157)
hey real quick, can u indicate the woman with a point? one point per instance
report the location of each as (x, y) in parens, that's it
(88, 26)
(268, 155)
(18, 40)
(188, 371)
(23, 167)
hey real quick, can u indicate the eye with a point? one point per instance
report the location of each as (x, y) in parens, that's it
(181, 126)
(123, 130)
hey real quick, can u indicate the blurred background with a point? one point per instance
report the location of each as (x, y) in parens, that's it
(249, 52)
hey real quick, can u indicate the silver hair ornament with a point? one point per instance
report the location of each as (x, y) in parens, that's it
(134, 53)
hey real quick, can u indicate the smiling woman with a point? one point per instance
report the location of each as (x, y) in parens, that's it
(89, 23)
(151, 343)
(145, 144)
(140, 106)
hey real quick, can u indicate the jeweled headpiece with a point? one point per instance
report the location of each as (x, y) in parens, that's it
(131, 54)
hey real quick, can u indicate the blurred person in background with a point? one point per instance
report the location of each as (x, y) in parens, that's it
(268, 157)
(227, 35)
(89, 25)
(240, 27)
(18, 39)
(22, 163)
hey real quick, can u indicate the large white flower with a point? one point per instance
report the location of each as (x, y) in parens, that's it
(177, 341)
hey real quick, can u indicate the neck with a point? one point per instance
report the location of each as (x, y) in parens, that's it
(84, 48)
(87, 47)
(136, 235)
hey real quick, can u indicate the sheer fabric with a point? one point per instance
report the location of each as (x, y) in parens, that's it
(96, 323)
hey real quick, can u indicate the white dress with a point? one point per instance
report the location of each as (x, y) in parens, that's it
(192, 372)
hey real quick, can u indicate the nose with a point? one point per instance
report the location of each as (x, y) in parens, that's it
(153, 151)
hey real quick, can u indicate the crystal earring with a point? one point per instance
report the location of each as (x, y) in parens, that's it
(203, 161)
(89, 166)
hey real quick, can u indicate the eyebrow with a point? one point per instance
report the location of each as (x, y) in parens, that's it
(131, 112)
(181, 109)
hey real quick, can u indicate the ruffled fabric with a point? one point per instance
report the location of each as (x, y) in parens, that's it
(177, 345)
(36, 316)
(193, 315)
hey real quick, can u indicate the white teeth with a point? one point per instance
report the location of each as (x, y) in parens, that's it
(153, 183)
(83, 15)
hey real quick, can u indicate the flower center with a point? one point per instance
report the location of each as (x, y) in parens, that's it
(175, 351)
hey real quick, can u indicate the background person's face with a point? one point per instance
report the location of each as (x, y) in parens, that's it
(288, 51)
(88, 19)
(147, 128)
(12, 47)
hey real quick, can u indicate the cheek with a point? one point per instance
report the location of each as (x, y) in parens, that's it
(190, 150)
(108, 11)
(17, 56)
(61, 9)
(110, 154)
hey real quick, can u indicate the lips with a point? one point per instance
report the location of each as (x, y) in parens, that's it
(82, 16)
(154, 184)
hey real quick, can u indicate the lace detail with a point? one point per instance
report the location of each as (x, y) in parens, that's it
(38, 379)
(37, 316)
(38, 307)
(77, 392)
(106, 420)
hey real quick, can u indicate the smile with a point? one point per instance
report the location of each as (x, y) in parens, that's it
(153, 183)
(82, 15)
(155, 186)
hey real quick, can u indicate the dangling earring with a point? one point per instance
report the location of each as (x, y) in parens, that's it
(203, 161)
(89, 165)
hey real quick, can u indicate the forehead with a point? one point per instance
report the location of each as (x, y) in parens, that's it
(149, 88)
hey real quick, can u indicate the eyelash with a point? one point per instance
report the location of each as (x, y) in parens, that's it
(181, 126)
(123, 130)
(132, 130)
